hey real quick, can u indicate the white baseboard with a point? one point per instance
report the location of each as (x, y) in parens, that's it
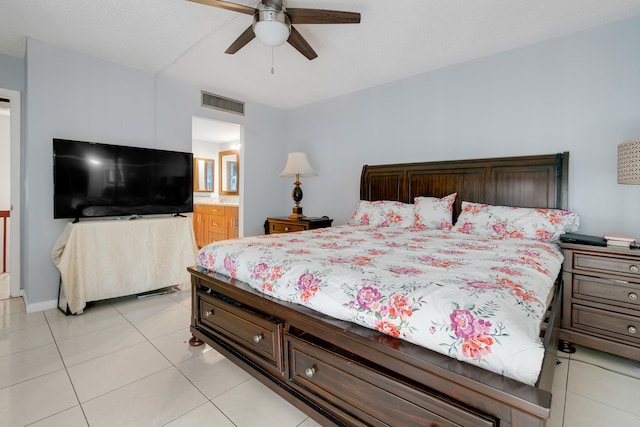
(39, 306)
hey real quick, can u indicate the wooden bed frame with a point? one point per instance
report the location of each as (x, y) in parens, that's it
(340, 373)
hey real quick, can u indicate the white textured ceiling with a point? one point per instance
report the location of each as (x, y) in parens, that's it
(396, 39)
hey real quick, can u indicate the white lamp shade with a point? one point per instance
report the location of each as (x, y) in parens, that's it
(297, 164)
(271, 27)
(629, 162)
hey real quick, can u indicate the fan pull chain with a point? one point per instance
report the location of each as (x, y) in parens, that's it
(272, 69)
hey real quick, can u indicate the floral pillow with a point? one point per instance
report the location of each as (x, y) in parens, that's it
(383, 213)
(502, 222)
(434, 213)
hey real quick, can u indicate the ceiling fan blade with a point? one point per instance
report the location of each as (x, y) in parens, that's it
(296, 40)
(319, 16)
(241, 41)
(227, 5)
(274, 4)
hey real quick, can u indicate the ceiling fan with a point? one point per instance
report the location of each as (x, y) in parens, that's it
(273, 23)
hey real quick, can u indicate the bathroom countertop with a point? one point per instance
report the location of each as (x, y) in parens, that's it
(214, 201)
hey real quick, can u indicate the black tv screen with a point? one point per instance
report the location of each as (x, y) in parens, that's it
(97, 180)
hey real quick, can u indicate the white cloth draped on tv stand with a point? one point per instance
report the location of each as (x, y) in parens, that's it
(112, 258)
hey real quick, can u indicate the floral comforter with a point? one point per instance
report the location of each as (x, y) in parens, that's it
(479, 300)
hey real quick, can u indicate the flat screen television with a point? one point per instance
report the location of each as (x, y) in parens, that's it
(99, 180)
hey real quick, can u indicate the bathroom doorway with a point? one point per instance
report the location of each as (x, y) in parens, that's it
(213, 141)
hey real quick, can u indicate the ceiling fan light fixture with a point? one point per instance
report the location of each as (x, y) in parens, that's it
(271, 27)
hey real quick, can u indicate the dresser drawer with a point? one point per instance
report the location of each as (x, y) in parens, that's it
(369, 397)
(277, 227)
(607, 265)
(612, 324)
(611, 290)
(260, 335)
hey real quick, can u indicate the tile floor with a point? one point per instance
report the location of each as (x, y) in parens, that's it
(5, 286)
(126, 362)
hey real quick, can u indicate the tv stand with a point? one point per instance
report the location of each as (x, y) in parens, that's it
(112, 258)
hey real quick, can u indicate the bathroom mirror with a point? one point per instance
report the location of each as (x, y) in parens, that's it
(203, 175)
(229, 172)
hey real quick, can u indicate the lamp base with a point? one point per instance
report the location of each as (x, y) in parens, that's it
(296, 213)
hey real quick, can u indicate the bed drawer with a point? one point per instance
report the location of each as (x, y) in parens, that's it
(369, 396)
(607, 265)
(258, 334)
(606, 289)
(612, 324)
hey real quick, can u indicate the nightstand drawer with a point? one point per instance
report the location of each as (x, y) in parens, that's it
(276, 227)
(606, 289)
(288, 225)
(607, 265)
(616, 325)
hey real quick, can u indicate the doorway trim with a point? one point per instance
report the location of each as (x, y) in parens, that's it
(15, 127)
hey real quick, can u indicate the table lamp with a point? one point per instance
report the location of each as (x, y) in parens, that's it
(297, 165)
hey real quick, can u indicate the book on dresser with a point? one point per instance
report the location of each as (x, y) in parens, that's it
(619, 240)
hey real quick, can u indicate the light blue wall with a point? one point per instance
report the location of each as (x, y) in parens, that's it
(78, 97)
(12, 72)
(578, 93)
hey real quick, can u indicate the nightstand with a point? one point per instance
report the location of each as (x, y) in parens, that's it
(286, 225)
(601, 305)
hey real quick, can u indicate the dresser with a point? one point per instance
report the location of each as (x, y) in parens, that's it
(214, 222)
(601, 305)
(286, 225)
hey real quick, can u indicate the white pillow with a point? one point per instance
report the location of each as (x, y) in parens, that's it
(500, 222)
(383, 213)
(434, 213)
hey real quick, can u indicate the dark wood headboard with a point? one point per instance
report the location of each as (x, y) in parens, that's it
(526, 181)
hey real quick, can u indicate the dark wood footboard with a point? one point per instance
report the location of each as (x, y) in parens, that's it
(340, 373)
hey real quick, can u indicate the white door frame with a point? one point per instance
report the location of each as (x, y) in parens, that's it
(15, 109)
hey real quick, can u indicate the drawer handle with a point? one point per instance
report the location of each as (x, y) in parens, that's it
(632, 329)
(257, 338)
(634, 268)
(633, 296)
(310, 372)
(208, 313)
(286, 229)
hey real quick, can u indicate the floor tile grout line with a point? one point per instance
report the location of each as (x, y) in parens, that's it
(605, 404)
(564, 401)
(127, 384)
(57, 413)
(33, 378)
(605, 368)
(66, 370)
(27, 349)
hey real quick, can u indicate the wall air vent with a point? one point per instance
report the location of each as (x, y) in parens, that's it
(221, 103)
